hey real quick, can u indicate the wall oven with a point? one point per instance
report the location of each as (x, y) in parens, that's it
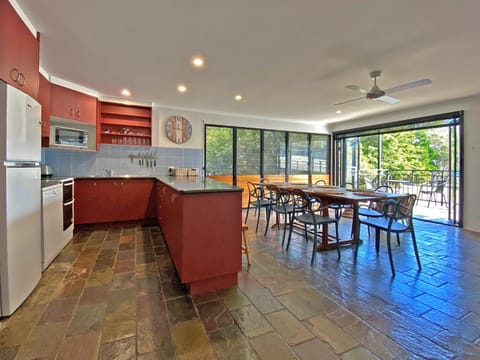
(67, 204)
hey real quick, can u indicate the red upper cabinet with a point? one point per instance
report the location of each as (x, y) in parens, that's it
(86, 108)
(19, 52)
(44, 100)
(70, 104)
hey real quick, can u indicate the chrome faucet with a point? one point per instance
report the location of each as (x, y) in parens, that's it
(109, 172)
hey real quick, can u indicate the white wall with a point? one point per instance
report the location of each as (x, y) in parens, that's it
(199, 119)
(471, 106)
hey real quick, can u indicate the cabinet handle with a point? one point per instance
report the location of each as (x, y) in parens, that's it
(21, 81)
(78, 114)
(14, 73)
(94, 184)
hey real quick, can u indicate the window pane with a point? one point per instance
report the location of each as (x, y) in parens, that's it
(248, 152)
(219, 153)
(274, 155)
(319, 148)
(298, 153)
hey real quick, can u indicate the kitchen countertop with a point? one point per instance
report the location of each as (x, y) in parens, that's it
(48, 182)
(184, 184)
(196, 184)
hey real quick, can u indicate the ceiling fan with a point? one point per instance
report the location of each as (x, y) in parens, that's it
(384, 95)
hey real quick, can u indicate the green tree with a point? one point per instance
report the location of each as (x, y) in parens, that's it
(219, 151)
(425, 149)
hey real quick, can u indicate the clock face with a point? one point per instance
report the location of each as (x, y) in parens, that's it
(178, 129)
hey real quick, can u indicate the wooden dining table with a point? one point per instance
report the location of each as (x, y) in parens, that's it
(334, 195)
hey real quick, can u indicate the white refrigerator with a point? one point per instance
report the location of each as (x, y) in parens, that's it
(20, 197)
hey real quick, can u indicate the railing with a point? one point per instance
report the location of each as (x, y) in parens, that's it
(375, 177)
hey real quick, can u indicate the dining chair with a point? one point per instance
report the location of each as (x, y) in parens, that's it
(308, 211)
(257, 200)
(397, 218)
(280, 203)
(374, 208)
(321, 182)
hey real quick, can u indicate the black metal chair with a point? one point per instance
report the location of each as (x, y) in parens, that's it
(257, 200)
(397, 218)
(309, 212)
(280, 204)
(432, 190)
(374, 208)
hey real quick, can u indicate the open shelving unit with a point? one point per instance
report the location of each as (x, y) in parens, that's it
(125, 124)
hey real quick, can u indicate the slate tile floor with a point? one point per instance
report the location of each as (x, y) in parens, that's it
(114, 294)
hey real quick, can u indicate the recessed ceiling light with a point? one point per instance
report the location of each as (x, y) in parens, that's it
(338, 112)
(198, 61)
(126, 92)
(238, 97)
(181, 88)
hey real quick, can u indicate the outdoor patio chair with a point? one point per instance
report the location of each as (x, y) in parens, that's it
(397, 218)
(432, 190)
(309, 212)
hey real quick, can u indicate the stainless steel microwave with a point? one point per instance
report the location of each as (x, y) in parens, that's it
(65, 136)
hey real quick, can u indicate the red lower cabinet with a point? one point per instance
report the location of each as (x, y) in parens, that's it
(111, 200)
(203, 235)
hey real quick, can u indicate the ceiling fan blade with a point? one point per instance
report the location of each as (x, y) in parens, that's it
(388, 99)
(349, 101)
(357, 89)
(409, 85)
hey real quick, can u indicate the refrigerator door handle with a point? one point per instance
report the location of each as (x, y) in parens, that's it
(23, 164)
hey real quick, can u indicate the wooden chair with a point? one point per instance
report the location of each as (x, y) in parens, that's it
(245, 248)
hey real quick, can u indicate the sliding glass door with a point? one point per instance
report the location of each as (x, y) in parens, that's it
(420, 156)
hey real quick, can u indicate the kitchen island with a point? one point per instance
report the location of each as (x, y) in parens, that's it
(200, 218)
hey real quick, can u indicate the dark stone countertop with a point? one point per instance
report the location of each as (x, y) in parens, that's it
(184, 184)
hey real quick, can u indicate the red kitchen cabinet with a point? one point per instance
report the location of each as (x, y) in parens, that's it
(70, 104)
(19, 52)
(108, 193)
(86, 201)
(203, 234)
(110, 200)
(44, 100)
(136, 199)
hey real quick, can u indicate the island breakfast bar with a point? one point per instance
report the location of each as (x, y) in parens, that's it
(201, 220)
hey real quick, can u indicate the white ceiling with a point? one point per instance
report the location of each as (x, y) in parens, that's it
(289, 59)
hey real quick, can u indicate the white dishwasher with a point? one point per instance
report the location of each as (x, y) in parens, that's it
(52, 223)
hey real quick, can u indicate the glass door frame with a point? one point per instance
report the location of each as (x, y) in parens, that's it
(454, 122)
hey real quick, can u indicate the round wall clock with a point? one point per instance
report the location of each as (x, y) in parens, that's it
(178, 129)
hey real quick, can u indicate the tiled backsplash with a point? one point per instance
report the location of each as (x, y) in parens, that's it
(117, 157)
